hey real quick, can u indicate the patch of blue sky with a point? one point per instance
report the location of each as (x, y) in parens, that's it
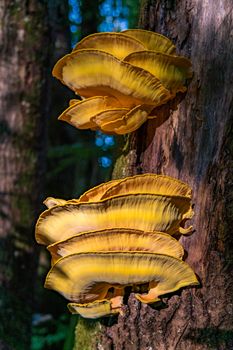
(104, 141)
(105, 162)
(115, 15)
(73, 28)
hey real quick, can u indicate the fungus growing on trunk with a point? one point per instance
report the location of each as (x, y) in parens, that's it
(98, 308)
(118, 44)
(117, 240)
(87, 277)
(146, 212)
(152, 41)
(135, 70)
(117, 235)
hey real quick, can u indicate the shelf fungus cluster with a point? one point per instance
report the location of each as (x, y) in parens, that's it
(117, 235)
(121, 78)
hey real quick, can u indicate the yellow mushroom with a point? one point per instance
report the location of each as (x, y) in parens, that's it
(87, 277)
(128, 122)
(80, 114)
(146, 212)
(117, 44)
(94, 72)
(51, 202)
(96, 193)
(136, 69)
(149, 183)
(152, 41)
(98, 308)
(117, 240)
(172, 71)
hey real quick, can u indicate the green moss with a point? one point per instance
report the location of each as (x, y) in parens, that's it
(122, 165)
(86, 334)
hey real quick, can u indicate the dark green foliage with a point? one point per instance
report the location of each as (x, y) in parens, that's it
(133, 12)
(54, 334)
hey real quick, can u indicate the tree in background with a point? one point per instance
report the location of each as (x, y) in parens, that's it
(23, 62)
(194, 144)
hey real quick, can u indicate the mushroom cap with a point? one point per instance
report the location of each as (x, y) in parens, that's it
(90, 73)
(96, 193)
(96, 309)
(117, 240)
(142, 183)
(117, 44)
(152, 41)
(128, 122)
(145, 212)
(105, 113)
(172, 71)
(81, 113)
(149, 183)
(86, 277)
(51, 202)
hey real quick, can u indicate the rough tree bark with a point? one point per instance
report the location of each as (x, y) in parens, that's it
(23, 53)
(194, 143)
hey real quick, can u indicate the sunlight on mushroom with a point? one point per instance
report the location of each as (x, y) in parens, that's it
(137, 70)
(117, 235)
(146, 212)
(117, 240)
(98, 272)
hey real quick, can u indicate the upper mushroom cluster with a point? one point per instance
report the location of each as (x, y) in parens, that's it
(121, 78)
(115, 235)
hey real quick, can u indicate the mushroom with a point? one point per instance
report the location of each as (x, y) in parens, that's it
(152, 41)
(80, 114)
(172, 71)
(51, 202)
(96, 193)
(118, 44)
(117, 240)
(90, 73)
(146, 212)
(149, 183)
(143, 183)
(136, 69)
(87, 277)
(98, 308)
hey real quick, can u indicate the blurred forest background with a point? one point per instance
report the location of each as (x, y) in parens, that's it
(41, 157)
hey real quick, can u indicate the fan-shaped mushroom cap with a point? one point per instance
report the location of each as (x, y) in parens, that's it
(149, 183)
(87, 277)
(114, 116)
(145, 212)
(90, 73)
(117, 44)
(172, 71)
(117, 240)
(128, 122)
(81, 113)
(103, 113)
(96, 309)
(51, 202)
(152, 41)
(96, 193)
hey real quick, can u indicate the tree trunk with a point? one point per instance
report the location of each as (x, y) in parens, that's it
(194, 143)
(23, 55)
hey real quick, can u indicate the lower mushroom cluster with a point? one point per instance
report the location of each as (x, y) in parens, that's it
(116, 235)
